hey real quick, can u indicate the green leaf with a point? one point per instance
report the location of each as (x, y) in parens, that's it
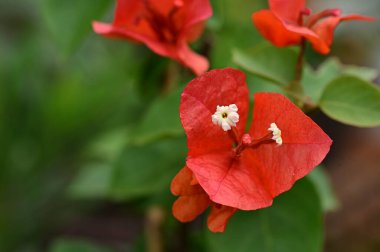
(69, 21)
(268, 62)
(352, 101)
(316, 81)
(137, 171)
(109, 145)
(93, 181)
(257, 84)
(225, 35)
(161, 120)
(324, 188)
(293, 223)
(365, 73)
(64, 245)
(145, 170)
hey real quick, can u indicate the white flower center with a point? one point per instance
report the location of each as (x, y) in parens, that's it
(276, 133)
(226, 116)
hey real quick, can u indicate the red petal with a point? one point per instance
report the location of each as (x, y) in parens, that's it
(274, 30)
(304, 146)
(194, 13)
(197, 11)
(129, 16)
(282, 33)
(112, 31)
(106, 30)
(198, 104)
(317, 42)
(162, 7)
(126, 11)
(129, 23)
(187, 208)
(197, 63)
(321, 15)
(195, 31)
(288, 10)
(182, 183)
(356, 17)
(230, 181)
(218, 218)
(325, 29)
(192, 201)
(189, 17)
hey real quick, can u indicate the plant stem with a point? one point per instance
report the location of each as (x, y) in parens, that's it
(295, 87)
(171, 78)
(154, 219)
(305, 101)
(299, 65)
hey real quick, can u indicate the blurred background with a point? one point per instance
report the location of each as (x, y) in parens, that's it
(86, 158)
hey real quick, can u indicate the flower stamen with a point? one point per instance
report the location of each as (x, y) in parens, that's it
(226, 116)
(276, 133)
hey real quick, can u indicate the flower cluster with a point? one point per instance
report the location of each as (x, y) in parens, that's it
(286, 23)
(229, 169)
(165, 26)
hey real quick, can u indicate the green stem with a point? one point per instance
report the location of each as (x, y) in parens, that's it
(295, 88)
(171, 77)
(305, 102)
(299, 65)
(153, 226)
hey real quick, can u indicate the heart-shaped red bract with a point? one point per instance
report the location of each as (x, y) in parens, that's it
(252, 179)
(165, 26)
(284, 24)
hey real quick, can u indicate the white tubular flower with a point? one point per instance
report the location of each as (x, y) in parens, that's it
(276, 133)
(226, 116)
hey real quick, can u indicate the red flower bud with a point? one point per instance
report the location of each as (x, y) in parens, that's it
(247, 139)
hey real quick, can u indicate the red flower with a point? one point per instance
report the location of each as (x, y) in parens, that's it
(283, 24)
(165, 26)
(229, 169)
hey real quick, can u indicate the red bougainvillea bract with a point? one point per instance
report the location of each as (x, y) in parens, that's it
(285, 24)
(229, 169)
(165, 26)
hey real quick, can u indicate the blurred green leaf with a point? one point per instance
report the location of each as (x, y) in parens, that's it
(316, 81)
(129, 144)
(161, 120)
(229, 26)
(64, 245)
(258, 84)
(352, 101)
(324, 188)
(268, 62)
(109, 145)
(69, 21)
(145, 170)
(94, 178)
(93, 181)
(364, 73)
(293, 223)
